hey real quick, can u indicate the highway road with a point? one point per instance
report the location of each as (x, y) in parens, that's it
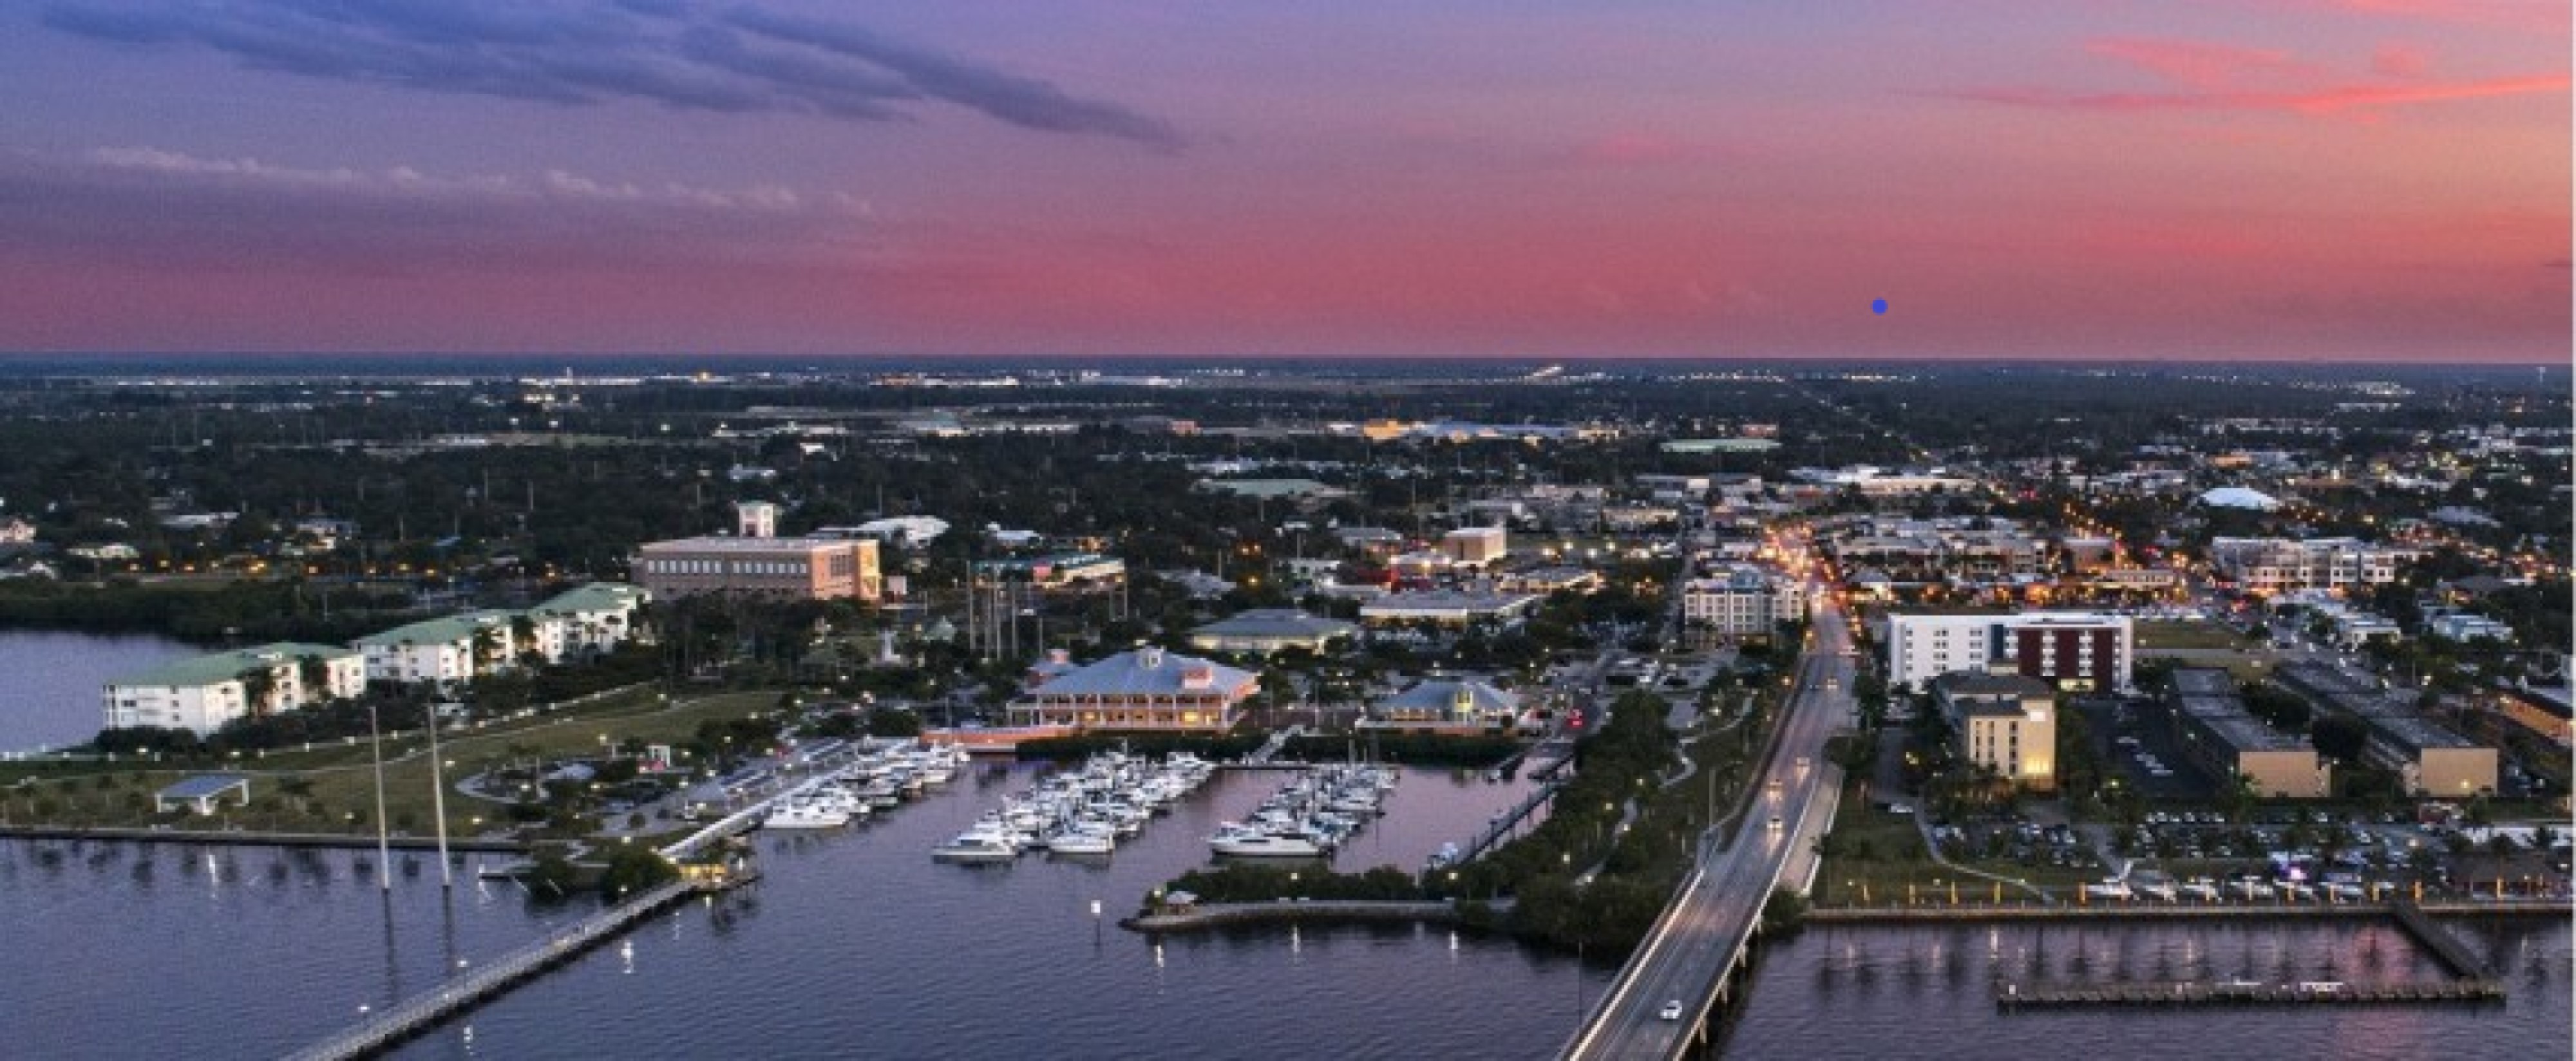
(1713, 915)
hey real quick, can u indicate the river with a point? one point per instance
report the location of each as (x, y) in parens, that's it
(854, 944)
(50, 681)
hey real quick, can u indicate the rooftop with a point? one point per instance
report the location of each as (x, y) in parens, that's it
(218, 667)
(1443, 695)
(1276, 622)
(204, 786)
(717, 543)
(596, 597)
(1145, 671)
(445, 631)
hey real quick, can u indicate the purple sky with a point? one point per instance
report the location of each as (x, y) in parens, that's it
(2183, 179)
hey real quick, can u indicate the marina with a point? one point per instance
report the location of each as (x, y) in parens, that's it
(1083, 811)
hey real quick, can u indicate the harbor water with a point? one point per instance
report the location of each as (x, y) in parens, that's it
(854, 943)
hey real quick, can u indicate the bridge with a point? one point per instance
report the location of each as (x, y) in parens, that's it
(1688, 958)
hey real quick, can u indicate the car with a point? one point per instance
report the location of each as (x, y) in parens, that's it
(1672, 1010)
(1775, 823)
(1775, 788)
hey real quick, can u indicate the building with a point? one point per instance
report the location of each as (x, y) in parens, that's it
(205, 794)
(201, 693)
(2212, 727)
(1446, 608)
(756, 563)
(1264, 631)
(1053, 571)
(1443, 703)
(454, 649)
(2429, 759)
(1743, 600)
(2541, 711)
(1475, 545)
(1147, 689)
(2276, 565)
(2466, 626)
(2005, 723)
(587, 620)
(2073, 651)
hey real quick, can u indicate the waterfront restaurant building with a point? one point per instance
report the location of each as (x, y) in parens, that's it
(1146, 690)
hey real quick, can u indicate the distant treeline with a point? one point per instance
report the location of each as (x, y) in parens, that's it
(246, 612)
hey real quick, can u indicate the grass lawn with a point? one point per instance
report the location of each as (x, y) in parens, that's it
(2173, 634)
(343, 782)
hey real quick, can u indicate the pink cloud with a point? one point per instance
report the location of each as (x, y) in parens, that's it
(2202, 65)
(2400, 61)
(2360, 100)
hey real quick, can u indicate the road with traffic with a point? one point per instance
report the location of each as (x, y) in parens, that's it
(1669, 987)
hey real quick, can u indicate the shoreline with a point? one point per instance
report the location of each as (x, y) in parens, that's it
(246, 838)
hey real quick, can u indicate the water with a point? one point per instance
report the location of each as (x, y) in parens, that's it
(1927, 992)
(855, 944)
(55, 677)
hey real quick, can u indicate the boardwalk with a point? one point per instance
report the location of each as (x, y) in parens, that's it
(425, 1010)
(2454, 954)
(1214, 915)
(1501, 826)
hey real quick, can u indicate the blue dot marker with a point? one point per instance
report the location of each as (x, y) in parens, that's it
(1878, 306)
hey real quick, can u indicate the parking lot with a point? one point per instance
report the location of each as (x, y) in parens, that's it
(2136, 741)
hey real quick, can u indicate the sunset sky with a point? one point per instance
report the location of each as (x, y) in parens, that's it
(2134, 179)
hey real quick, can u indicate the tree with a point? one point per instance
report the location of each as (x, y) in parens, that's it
(313, 673)
(259, 690)
(2338, 737)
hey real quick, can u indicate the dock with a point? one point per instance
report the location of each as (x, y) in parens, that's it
(426, 1010)
(247, 838)
(1216, 915)
(1494, 831)
(2015, 995)
(2452, 953)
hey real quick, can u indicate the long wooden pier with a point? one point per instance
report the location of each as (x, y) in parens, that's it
(2011, 995)
(427, 1009)
(1501, 826)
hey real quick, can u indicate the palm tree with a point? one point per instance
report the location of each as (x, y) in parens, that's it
(314, 674)
(487, 647)
(259, 689)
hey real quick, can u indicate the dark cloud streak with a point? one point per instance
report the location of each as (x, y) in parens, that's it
(741, 61)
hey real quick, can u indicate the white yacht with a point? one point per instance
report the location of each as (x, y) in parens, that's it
(977, 845)
(804, 816)
(1256, 843)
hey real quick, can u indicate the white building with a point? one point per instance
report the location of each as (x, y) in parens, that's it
(1743, 600)
(2077, 651)
(453, 649)
(587, 620)
(202, 693)
(2277, 565)
(1447, 608)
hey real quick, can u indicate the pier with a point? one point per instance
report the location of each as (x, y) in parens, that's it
(2453, 954)
(1271, 748)
(2011, 996)
(1494, 831)
(1217, 915)
(426, 1010)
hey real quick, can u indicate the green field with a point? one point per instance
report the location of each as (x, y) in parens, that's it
(2170, 634)
(342, 795)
